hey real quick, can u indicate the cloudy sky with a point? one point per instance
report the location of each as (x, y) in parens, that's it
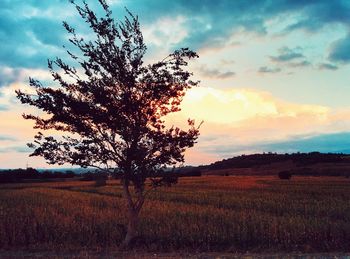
(275, 75)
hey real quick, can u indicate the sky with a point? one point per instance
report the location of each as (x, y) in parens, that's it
(275, 75)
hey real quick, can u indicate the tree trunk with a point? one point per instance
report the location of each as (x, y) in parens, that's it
(133, 214)
(131, 229)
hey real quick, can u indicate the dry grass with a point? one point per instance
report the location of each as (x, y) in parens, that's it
(211, 213)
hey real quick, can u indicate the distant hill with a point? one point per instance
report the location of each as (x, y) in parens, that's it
(314, 163)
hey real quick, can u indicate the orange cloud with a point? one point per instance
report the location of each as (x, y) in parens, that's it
(244, 117)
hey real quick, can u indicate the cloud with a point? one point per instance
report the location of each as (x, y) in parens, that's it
(340, 50)
(9, 75)
(334, 142)
(243, 106)
(286, 54)
(227, 62)
(17, 47)
(245, 120)
(3, 107)
(291, 57)
(314, 15)
(39, 27)
(17, 149)
(266, 69)
(206, 30)
(24, 41)
(303, 63)
(327, 66)
(166, 32)
(7, 138)
(31, 31)
(215, 73)
(12, 79)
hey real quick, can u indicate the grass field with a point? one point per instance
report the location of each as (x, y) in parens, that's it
(209, 213)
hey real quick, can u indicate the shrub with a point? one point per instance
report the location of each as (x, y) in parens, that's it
(285, 175)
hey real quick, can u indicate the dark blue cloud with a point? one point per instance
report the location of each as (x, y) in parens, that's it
(227, 16)
(19, 49)
(327, 66)
(337, 142)
(47, 31)
(293, 58)
(265, 70)
(222, 17)
(303, 63)
(340, 50)
(319, 13)
(8, 76)
(287, 54)
(215, 73)
(27, 40)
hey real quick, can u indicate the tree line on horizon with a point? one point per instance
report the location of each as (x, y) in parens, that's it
(18, 175)
(242, 161)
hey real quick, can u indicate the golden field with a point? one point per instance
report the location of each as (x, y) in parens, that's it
(208, 213)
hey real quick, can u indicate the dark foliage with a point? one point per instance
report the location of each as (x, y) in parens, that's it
(187, 171)
(18, 175)
(285, 175)
(90, 176)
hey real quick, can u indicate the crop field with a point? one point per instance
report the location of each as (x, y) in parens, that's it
(208, 213)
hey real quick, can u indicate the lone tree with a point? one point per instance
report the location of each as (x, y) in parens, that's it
(111, 111)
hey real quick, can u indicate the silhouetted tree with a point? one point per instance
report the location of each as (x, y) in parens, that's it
(111, 111)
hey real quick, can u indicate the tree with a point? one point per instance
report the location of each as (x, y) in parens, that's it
(111, 112)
